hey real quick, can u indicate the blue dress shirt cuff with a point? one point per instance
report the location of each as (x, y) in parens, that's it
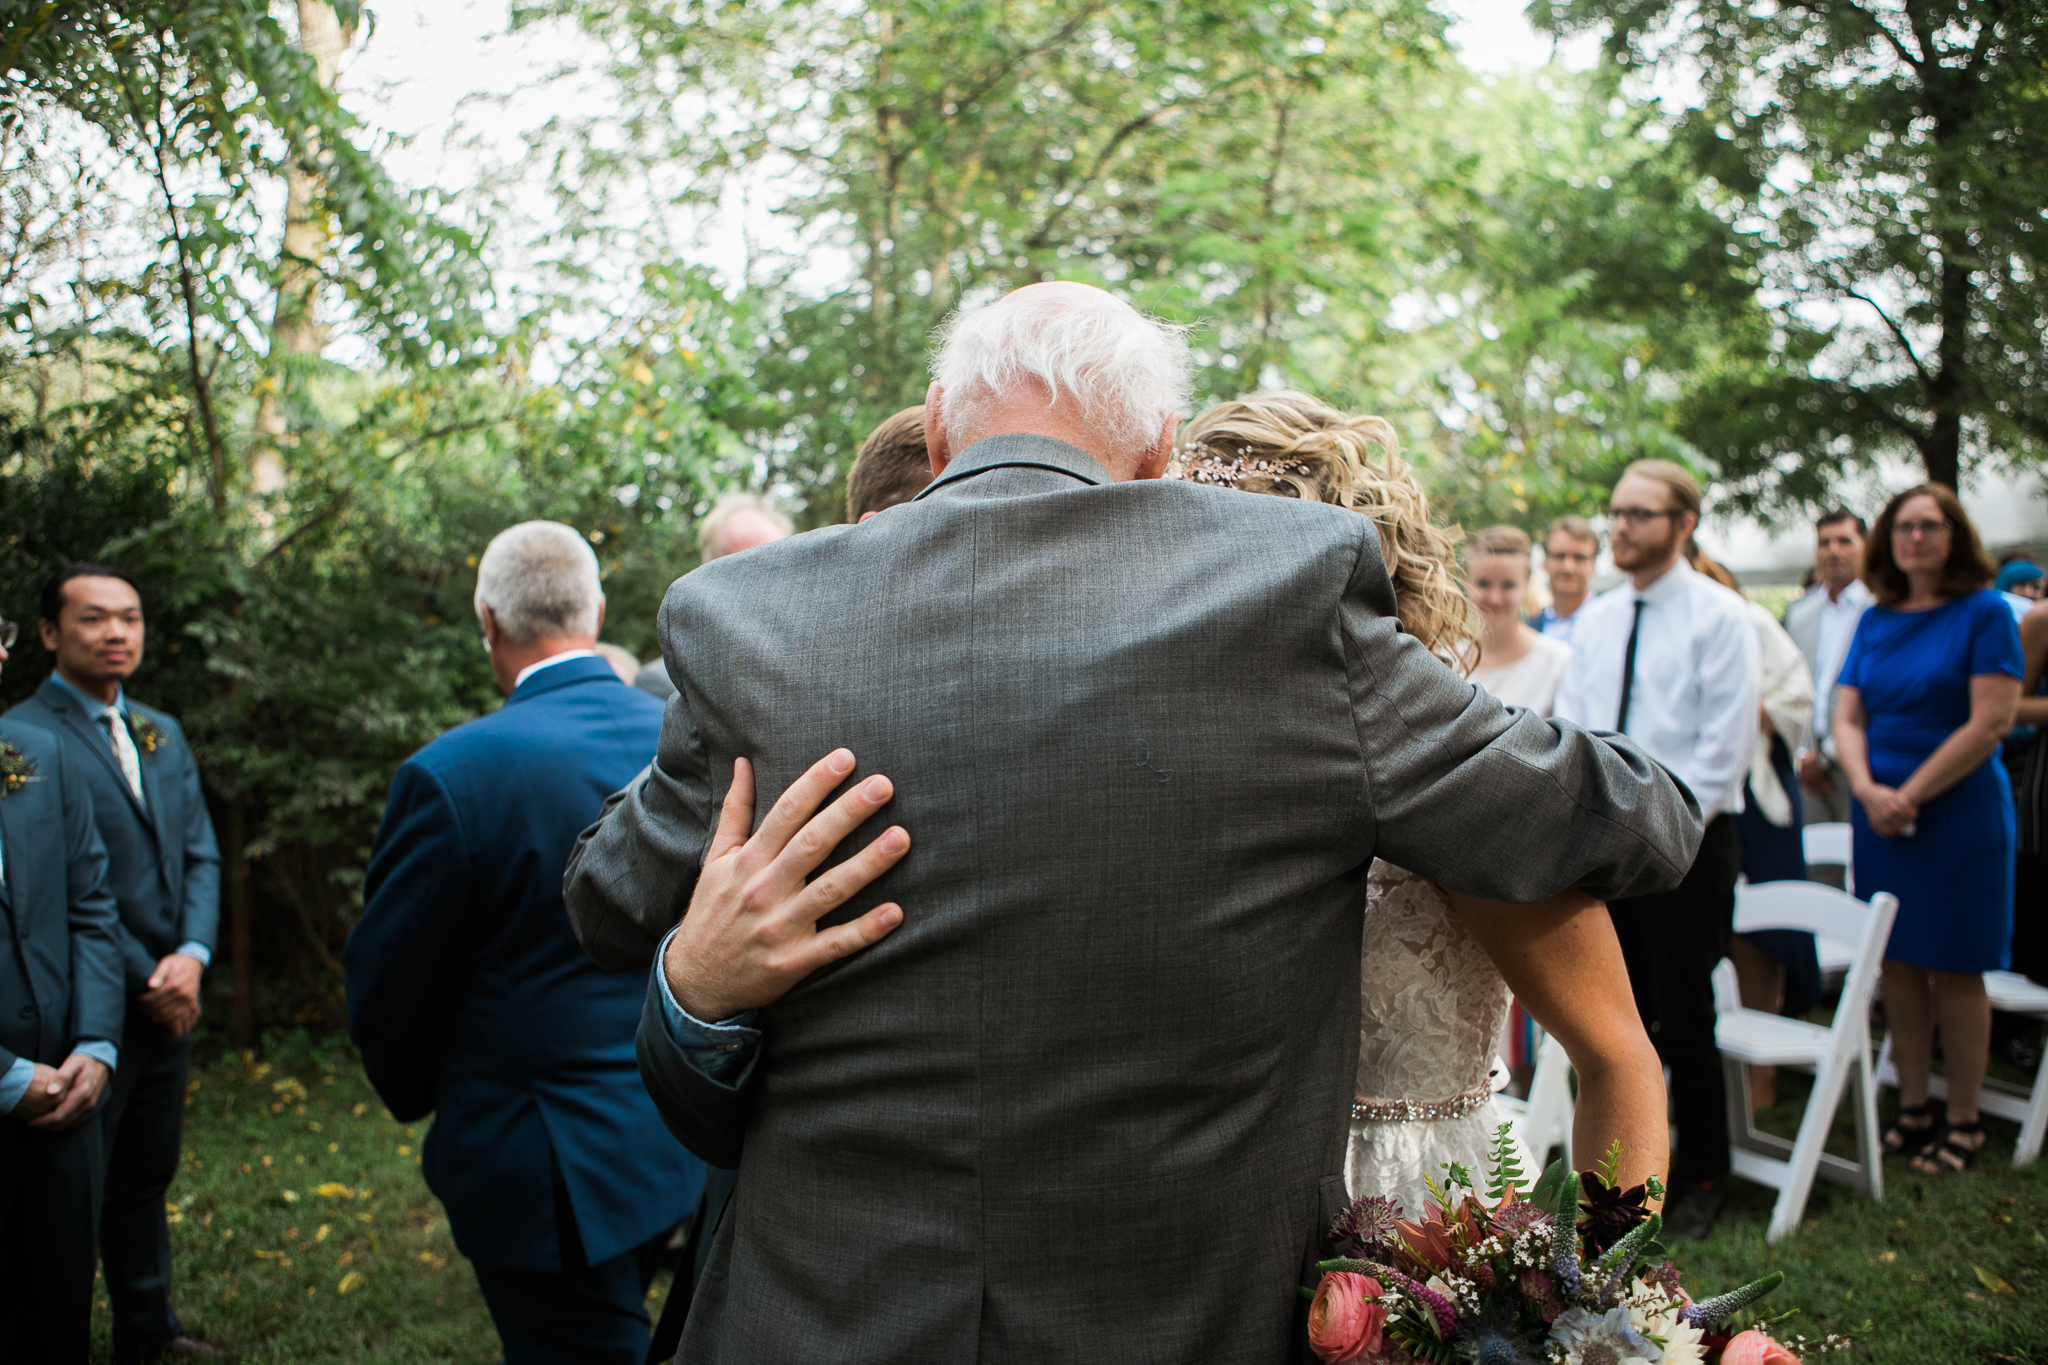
(15, 1083)
(197, 951)
(719, 1051)
(100, 1050)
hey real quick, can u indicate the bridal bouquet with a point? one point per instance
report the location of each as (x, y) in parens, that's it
(1570, 1274)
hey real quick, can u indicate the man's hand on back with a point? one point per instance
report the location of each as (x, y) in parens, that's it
(751, 932)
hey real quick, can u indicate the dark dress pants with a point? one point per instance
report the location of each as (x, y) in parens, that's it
(142, 1126)
(49, 1182)
(1671, 942)
(582, 1314)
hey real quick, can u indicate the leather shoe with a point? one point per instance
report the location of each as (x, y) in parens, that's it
(180, 1347)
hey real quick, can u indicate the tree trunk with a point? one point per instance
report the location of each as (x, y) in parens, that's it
(295, 327)
(241, 948)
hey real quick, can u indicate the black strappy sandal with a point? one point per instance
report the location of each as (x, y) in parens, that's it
(1959, 1144)
(1903, 1138)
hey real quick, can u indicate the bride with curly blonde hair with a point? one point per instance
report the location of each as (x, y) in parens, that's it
(1438, 966)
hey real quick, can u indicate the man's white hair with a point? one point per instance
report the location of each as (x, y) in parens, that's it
(1127, 370)
(539, 579)
(711, 530)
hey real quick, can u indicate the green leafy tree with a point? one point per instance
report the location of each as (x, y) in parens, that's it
(1887, 161)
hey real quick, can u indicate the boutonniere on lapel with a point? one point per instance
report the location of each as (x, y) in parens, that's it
(149, 736)
(17, 770)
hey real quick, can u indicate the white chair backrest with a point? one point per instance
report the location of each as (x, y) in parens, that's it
(1827, 842)
(1727, 988)
(1810, 906)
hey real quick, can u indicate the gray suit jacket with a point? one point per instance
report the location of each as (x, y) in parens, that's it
(1147, 738)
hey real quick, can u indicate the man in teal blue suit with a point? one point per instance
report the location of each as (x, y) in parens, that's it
(470, 999)
(61, 1002)
(163, 867)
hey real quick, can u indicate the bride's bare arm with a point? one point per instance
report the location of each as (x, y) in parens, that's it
(1563, 962)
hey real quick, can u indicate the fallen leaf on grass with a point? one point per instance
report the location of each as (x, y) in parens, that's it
(334, 1189)
(352, 1280)
(1992, 1282)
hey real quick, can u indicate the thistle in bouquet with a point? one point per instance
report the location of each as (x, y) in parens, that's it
(1568, 1273)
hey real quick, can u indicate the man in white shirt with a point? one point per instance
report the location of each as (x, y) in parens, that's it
(1822, 623)
(1669, 659)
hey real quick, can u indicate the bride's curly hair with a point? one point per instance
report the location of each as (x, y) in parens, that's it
(1293, 445)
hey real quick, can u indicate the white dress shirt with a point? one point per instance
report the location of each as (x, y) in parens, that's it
(1694, 704)
(1838, 618)
(550, 662)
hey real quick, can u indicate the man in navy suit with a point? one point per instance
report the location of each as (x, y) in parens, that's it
(468, 994)
(163, 868)
(61, 1001)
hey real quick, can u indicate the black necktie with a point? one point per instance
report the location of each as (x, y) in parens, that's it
(1628, 667)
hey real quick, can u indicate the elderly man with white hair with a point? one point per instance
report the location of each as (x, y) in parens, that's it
(1077, 1088)
(470, 1000)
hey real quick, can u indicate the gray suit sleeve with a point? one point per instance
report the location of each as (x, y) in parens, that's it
(631, 874)
(1493, 801)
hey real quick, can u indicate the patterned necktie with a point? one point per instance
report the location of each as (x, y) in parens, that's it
(124, 750)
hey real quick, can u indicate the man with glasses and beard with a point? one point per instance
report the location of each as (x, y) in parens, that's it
(1669, 658)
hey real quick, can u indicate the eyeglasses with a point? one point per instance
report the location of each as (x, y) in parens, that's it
(8, 631)
(1634, 517)
(1913, 530)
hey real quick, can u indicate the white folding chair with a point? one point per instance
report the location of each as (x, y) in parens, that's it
(2013, 993)
(1839, 1055)
(1544, 1120)
(1827, 843)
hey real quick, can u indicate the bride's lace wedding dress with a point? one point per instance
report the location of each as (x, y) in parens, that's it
(1433, 1005)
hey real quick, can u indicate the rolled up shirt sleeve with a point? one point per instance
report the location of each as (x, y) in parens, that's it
(719, 1051)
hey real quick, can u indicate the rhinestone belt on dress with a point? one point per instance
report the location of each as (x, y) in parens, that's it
(1417, 1111)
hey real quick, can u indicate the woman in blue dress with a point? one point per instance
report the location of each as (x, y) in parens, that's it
(1928, 691)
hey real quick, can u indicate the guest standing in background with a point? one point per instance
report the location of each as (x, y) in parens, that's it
(2030, 770)
(620, 658)
(1927, 693)
(163, 868)
(892, 468)
(1516, 663)
(1778, 969)
(1669, 659)
(470, 999)
(62, 997)
(1569, 549)
(1822, 623)
(736, 522)
(2021, 582)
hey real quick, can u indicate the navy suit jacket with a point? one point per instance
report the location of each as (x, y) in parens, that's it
(60, 976)
(163, 862)
(468, 994)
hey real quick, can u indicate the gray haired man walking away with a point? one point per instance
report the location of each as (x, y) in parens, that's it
(1148, 737)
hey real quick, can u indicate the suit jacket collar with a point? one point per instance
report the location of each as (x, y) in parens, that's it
(1020, 450)
(558, 676)
(69, 706)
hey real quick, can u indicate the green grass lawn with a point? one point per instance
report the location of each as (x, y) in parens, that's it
(304, 1233)
(300, 1226)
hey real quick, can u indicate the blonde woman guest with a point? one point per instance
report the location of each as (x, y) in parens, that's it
(1517, 663)
(1432, 1010)
(1928, 691)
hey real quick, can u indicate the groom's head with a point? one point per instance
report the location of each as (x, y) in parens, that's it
(1066, 361)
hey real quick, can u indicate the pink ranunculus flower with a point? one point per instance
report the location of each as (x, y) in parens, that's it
(1344, 1322)
(1754, 1348)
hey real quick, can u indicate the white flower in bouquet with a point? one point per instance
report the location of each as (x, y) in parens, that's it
(1681, 1339)
(1603, 1339)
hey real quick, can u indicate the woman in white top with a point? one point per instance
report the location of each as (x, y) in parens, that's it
(1518, 664)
